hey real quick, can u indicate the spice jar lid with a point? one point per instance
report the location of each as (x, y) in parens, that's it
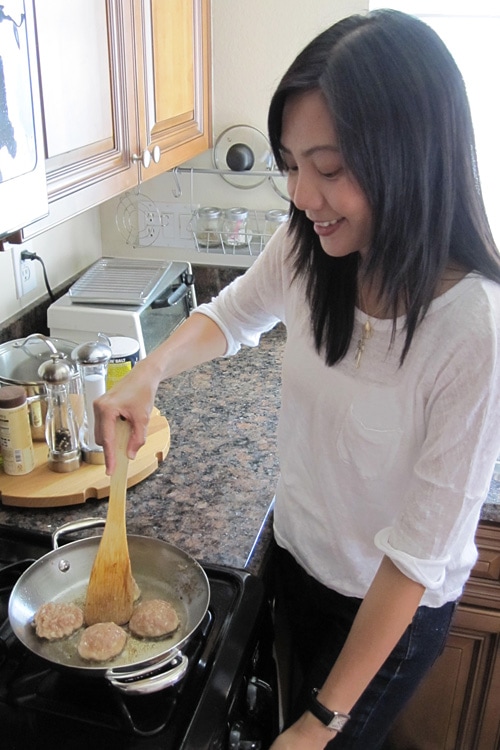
(277, 215)
(236, 213)
(209, 212)
(12, 396)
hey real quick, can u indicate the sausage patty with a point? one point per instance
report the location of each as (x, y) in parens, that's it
(57, 620)
(102, 641)
(155, 618)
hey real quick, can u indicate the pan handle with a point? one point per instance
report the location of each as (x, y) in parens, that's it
(67, 528)
(150, 679)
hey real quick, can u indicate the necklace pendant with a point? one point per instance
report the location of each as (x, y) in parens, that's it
(359, 352)
(365, 335)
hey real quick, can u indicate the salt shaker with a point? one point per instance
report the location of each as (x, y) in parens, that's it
(61, 427)
(92, 360)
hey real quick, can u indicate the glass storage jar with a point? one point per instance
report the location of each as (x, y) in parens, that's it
(274, 218)
(207, 226)
(235, 227)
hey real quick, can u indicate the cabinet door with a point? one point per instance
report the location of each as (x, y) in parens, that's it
(456, 706)
(175, 41)
(86, 58)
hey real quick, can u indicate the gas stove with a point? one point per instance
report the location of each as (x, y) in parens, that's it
(227, 699)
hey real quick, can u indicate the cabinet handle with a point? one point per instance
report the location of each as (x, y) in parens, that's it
(146, 156)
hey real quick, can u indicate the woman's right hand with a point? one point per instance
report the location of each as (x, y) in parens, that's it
(132, 398)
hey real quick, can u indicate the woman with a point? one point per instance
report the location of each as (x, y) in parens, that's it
(387, 280)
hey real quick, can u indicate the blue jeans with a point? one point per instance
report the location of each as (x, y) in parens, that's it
(319, 623)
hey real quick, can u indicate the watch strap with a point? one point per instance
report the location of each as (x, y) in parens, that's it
(333, 720)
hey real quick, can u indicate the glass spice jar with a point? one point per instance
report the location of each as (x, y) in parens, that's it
(274, 218)
(208, 226)
(234, 228)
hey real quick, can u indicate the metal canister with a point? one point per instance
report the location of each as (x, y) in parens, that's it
(19, 363)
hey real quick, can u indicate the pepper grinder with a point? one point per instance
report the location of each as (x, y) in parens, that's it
(61, 429)
(92, 359)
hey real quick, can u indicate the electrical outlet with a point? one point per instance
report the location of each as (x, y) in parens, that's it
(24, 270)
(167, 225)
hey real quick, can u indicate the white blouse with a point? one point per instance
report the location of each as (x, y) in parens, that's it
(379, 459)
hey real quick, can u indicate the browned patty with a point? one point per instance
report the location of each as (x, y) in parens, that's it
(102, 642)
(57, 620)
(153, 619)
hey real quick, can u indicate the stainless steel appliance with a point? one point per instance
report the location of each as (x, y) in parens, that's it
(227, 700)
(143, 299)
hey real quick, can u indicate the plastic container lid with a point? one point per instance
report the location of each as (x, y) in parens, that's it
(123, 346)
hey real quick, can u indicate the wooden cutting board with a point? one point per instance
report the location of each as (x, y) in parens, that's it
(43, 488)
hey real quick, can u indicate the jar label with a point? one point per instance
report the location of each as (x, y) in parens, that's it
(15, 441)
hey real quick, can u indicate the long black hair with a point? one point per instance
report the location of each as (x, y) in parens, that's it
(405, 132)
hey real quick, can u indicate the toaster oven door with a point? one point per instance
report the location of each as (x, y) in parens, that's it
(167, 312)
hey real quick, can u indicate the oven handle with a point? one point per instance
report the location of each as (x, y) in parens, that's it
(169, 299)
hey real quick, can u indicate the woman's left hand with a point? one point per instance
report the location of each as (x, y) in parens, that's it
(306, 734)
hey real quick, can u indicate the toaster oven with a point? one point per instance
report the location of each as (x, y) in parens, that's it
(142, 299)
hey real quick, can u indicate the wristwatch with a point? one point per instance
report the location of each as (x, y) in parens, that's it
(331, 719)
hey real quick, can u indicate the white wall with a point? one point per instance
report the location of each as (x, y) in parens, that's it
(254, 41)
(65, 251)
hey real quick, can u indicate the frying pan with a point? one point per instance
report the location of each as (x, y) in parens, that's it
(161, 571)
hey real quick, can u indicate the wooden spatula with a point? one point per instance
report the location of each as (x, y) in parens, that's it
(110, 593)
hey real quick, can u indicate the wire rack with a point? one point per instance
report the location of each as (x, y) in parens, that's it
(251, 242)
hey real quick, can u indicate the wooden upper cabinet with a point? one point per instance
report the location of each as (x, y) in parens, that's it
(175, 85)
(87, 70)
(119, 78)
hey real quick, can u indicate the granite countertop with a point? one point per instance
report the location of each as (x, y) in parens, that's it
(212, 495)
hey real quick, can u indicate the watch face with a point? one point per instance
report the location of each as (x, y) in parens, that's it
(332, 719)
(338, 723)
